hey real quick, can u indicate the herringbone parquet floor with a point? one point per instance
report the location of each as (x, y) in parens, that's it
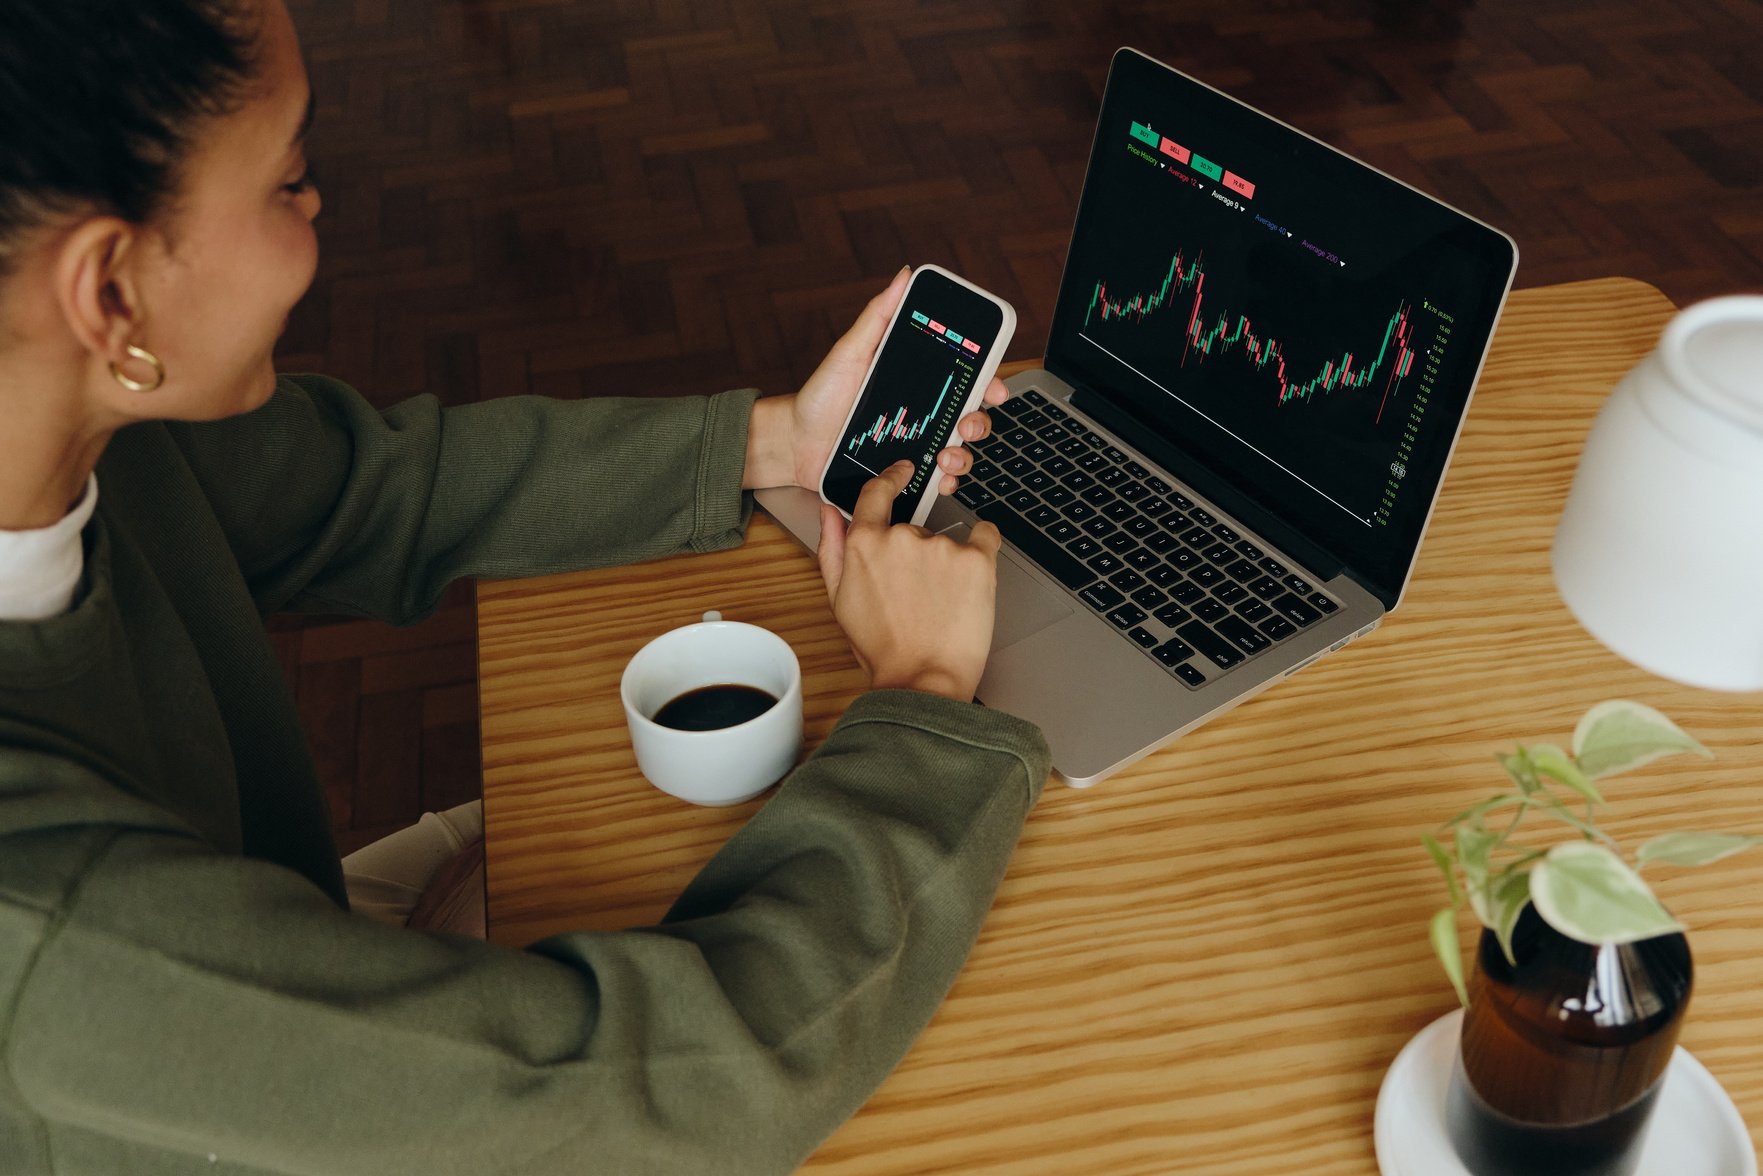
(655, 197)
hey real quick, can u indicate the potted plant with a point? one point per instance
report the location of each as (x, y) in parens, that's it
(1582, 977)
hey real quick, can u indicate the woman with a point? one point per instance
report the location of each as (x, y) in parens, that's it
(182, 985)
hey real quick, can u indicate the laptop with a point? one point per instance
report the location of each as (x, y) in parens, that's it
(1260, 360)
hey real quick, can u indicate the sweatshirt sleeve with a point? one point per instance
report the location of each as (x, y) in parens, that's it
(224, 1009)
(331, 505)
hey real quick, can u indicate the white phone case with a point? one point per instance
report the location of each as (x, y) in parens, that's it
(982, 381)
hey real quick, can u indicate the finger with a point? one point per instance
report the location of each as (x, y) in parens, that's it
(985, 537)
(949, 484)
(955, 460)
(875, 502)
(865, 334)
(976, 426)
(996, 393)
(831, 552)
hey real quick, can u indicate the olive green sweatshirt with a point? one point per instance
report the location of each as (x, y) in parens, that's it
(181, 987)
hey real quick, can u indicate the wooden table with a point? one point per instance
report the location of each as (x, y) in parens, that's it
(1205, 964)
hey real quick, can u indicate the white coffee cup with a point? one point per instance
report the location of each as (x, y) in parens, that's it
(1659, 552)
(727, 765)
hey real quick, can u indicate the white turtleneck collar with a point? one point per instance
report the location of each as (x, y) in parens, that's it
(40, 570)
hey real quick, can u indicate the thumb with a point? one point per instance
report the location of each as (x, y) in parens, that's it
(831, 551)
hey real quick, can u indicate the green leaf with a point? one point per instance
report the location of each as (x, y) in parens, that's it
(1618, 735)
(1443, 861)
(1508, 896)
(1549, 760)
(1693, 849)
(1474, 847)
(1443, 933)
(1588, 893)
(1522, 771)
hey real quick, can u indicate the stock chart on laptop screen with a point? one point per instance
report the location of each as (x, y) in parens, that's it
(1304, 326)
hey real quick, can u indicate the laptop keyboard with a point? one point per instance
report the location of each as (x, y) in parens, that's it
(1195, 595)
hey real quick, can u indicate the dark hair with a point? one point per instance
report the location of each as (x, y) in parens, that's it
(100, 100)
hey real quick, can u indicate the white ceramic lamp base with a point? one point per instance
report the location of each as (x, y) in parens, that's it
(1696, 1131)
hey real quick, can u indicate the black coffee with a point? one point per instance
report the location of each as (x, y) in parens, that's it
(710, 708)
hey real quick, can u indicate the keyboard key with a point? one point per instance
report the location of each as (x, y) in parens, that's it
(1034, 420)
(1271, 566)
(1158, 485)
(1118, 510)
(1042, 550)
(1173, 652)
(1224, 532)
(1240, 634)
(1184, 558)
(1126, 579)
(1187, 673)
(1143, 636)
(1022, 502)
(1077, 480)
(1120, 543)
(1163, 576)
(1266, 587)
(1160, 541)
(1188, 592)
(1173, 615)
(1210, 611)
(1277, 628)
(1253, 610)
(1098, 495)
(1110, 475)
(1218, 651)
(1100, 597)
(1221, 554)
(1243, 571)
(1061, 530)
(1155, 507)
(1035, 397)
(1143, 560)
(973, 495)
(1182, 501)
(1195, 537)
(1150, 596)
(1037, 481)
(1141, 526)
(1092, 461)
(1057, 466)
(1298, 585)
(1137, 470)
(1099, 527)
(1044, 517)
(1054, 411)
(1321, 603)
(1202, 516)
(1230, 592)
(1057, 495)
(1072, 447)
(1205, 575)
(1017, 437)
(1126, 616)
(1039, 451)
(1083, 547)
(1104, 564)
(1077, 512)
(1003, 485)
(982, 469)
(1296, 611)
(1053, 434)
(1249, 550)
(1132, 491)
(1175, 523)
(1018, 466)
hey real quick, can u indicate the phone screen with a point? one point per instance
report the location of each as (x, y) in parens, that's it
(922, 377)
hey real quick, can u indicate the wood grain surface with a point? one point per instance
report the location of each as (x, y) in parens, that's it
(1203, 965)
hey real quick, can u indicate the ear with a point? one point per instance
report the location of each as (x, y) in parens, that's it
(97, 287)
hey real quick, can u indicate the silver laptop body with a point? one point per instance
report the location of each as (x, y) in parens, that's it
(1283, 501)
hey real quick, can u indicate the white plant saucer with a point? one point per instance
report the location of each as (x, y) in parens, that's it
(1696, 1131)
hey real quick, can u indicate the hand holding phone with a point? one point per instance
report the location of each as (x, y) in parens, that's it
(940, 351)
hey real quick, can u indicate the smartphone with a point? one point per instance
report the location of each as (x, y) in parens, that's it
(942, 348)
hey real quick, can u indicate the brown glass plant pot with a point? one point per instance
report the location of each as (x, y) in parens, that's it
(1563, 1055)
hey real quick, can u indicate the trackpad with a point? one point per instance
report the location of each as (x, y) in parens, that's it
(1025, 605)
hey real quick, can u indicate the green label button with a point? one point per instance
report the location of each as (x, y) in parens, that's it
(1145, 134)
(1205, 166)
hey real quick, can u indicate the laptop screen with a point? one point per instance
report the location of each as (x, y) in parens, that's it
(1304, 327)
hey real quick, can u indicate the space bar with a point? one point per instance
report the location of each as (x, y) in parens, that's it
(1061, 565)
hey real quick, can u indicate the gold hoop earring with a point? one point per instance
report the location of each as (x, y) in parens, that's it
(147, 357)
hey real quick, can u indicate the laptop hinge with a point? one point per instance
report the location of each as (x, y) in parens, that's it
(1310, 556)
